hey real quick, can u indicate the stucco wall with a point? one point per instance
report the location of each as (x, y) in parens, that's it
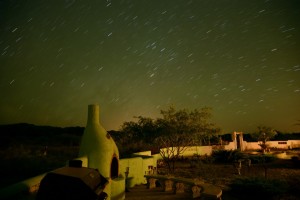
(138, 166)
(192, 150)
(26, 187)
(135, 169)
(289, 144)
(294, 143)
(143, 153)
(118, 188)
(199, 150)
(230, 146)
(278, 144)
(251, 145)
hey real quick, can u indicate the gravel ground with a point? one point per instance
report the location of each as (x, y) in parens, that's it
(223, 174)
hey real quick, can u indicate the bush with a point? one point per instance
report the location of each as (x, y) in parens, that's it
(261, 159)
(258, 188)
(225, 156)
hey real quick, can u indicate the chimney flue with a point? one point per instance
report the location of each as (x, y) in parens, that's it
(93, 114)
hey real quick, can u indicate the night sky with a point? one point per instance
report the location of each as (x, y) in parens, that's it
(240, 57)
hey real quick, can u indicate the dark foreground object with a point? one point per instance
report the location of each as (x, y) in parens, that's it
(74, 183)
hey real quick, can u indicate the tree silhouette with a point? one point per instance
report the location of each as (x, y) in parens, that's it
(264, 134)
(180, 129)
(171, 134)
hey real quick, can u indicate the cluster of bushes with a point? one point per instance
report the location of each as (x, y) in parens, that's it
(262, 159)
(227, 156)
(258, 187)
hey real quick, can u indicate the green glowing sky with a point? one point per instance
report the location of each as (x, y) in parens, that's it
(242, 58)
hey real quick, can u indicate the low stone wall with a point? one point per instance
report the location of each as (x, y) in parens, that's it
(197, 187)
(26, 187)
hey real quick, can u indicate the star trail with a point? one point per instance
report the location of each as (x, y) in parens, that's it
(137, 57)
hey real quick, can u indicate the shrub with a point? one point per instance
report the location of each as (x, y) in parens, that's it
(258, 188)
(227, 156)
(261, 159)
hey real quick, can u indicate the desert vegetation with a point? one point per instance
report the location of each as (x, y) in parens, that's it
(265, 178)
(27, 150)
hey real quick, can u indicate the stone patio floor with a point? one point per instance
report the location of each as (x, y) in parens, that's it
(141, 192)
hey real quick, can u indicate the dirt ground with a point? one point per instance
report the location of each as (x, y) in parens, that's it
(141, 192)
(223, 174)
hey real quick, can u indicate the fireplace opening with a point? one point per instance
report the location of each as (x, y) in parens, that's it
(114, 170)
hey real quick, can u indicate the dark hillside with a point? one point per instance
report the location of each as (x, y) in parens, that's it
(29, 134)
(37, 149)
